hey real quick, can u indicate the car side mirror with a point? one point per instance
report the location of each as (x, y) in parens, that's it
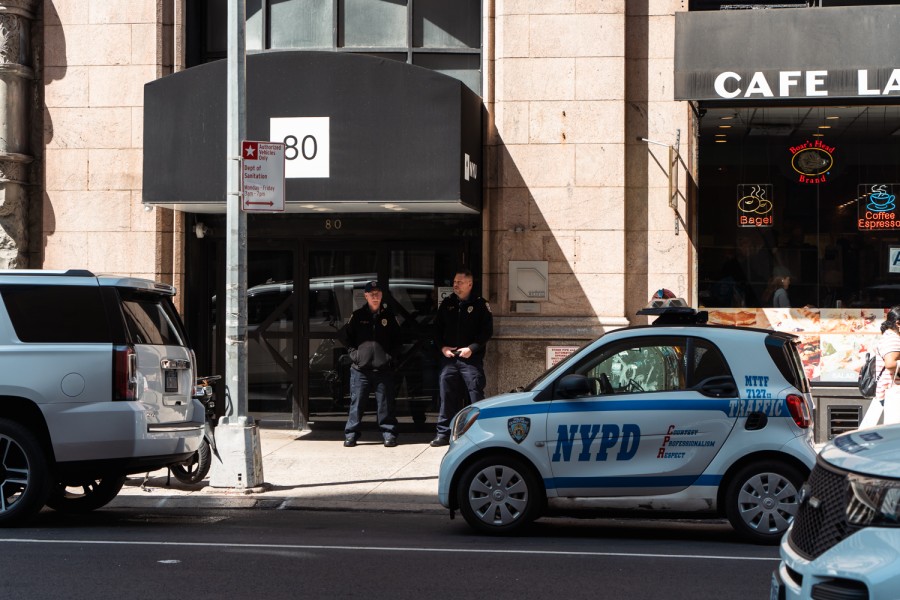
(574, 386)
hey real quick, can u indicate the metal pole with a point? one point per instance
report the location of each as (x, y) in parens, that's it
(239, 461)
(236, 244)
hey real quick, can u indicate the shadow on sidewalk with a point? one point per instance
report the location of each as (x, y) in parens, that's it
(369, 434)
(339, 483)
(333, 429)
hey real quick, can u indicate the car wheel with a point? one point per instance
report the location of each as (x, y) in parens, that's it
(194, 469)
(24, 474)
(762, 500)
(499, 494)
(85, 496)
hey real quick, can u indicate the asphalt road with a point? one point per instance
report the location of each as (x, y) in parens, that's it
(131, 554)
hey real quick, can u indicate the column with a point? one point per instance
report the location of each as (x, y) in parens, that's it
(16, 78)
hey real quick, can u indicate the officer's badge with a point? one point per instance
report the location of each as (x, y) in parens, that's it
(518, 428)
(471, 308)
(384, 322)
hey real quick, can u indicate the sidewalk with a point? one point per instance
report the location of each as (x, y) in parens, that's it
(312, 470)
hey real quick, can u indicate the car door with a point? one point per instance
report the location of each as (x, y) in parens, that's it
(655, 417)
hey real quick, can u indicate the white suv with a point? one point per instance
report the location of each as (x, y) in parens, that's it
(95, 383)
(845, 541)
(677, 416)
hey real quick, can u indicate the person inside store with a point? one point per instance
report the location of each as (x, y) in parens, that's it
(780, 298)
(463, 326)
(372, 338)
(887, 356)
(731, 287)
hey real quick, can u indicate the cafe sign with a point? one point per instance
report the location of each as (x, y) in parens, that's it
(754, 205)
(876, 207)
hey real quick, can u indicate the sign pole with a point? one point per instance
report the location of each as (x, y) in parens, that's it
(238, 459)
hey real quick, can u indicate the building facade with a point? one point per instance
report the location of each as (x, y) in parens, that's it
(566, 151)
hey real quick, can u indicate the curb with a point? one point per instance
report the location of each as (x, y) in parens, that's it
(246, 501)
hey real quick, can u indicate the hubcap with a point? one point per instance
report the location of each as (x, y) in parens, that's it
(768, 503)
(498, 495)
(13, 472)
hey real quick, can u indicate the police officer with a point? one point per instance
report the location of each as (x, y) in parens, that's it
(372, 337)
(464, 325)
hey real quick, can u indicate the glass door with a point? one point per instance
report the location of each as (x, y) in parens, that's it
(418, 279)
(336, 281)
(416, 275)
(271, 335)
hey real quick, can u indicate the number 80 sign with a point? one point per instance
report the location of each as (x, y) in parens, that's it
(307, 145)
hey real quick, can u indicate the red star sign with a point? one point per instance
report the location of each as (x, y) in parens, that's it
(250, 150)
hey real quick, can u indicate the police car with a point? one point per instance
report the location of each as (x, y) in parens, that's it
(675, 416)
(845, 541)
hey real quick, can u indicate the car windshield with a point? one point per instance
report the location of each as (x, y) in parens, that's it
(152, 319)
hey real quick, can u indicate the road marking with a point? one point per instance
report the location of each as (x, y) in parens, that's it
(385, 549)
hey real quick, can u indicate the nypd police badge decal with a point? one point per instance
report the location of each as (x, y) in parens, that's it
(518, 428)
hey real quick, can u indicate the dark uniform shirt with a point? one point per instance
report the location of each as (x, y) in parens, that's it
(464, 324)
(373, 340)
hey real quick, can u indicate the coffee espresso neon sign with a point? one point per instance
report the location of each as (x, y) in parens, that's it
(812, 161)
(877, 207)
(754, 207)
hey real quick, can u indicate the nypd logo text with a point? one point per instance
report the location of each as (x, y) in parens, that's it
(607, 436)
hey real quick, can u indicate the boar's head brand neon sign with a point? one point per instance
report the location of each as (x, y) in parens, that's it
(876, 207)
(754, 205)
(812, 161)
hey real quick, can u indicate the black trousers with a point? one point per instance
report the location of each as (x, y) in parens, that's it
(361, 384)
(461, 383)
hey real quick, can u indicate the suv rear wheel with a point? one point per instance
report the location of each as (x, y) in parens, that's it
(86, 496)
(24, 474)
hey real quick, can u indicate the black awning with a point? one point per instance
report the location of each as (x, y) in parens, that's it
(810, 54)
(393, 134)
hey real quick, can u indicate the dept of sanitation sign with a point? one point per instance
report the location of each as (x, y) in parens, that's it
(262, 176)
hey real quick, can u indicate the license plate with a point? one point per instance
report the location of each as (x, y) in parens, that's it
(171, 380)
(775, 591)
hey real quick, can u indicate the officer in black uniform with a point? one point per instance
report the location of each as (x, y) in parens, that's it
(464, 325)
(372, 337)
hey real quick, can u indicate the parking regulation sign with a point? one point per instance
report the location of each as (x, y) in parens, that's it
(262, 176)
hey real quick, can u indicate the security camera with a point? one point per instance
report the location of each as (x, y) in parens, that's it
(200, 230)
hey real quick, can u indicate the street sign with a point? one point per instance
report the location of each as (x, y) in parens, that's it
(262, 176)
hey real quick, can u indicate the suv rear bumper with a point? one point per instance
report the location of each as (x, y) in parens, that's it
(122, 433)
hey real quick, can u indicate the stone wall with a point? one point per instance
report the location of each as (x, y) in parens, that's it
(98, 54)
(569, 87)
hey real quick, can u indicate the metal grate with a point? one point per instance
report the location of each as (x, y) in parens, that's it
(840, 589)
(821, 522)
(842, 419)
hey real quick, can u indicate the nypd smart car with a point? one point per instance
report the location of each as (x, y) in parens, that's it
(676, 416)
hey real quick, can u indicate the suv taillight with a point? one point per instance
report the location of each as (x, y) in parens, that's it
(194, 374)
(799, 410)
(124, 373)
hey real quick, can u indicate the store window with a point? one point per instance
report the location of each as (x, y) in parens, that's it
(799, 224)
(799, 200)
